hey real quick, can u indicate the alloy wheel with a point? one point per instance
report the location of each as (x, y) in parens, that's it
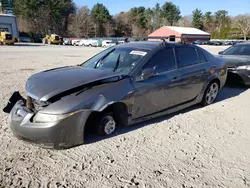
(109, 124)
(212, 93)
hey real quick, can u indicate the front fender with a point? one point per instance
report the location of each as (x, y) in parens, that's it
(101, 103)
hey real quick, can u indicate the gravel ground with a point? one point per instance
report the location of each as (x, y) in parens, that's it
(198, 147)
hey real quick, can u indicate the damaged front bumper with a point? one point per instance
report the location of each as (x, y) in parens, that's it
(243, 74)
(65, 133)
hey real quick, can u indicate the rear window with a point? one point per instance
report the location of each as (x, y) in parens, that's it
(208, 56)
(201, 56)
(187, 56)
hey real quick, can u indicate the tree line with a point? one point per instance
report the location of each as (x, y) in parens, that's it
(67, 19)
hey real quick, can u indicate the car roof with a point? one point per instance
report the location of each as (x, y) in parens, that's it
(243, 43)
(149, 45)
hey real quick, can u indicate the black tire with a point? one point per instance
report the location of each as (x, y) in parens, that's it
(208, 97)
(106, 124)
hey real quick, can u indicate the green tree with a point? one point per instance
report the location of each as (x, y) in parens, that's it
(45, 16)
(197, 19)
(208, 21)
(138, 16)
(170, 13)
(100, 16)
(222, 20)
(138, 19)
(156, 19)
(149, 18)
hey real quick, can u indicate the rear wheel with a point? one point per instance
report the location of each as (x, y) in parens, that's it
(106, 124)
(210, 94)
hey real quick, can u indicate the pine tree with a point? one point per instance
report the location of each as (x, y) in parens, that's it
(197, 19)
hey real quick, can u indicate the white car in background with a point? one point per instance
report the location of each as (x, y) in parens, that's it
(74, 41)
(108, 43)
(83, 42)
(87, 42)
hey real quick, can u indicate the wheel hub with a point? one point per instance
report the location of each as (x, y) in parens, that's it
(212, 93)
(110, 126)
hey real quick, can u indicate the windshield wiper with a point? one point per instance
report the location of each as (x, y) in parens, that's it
(102, 58)
(117, 63)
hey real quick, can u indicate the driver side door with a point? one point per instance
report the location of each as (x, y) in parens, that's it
(162, 90)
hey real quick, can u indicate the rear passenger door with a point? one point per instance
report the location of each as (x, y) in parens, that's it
(161, 91)
(195, 72)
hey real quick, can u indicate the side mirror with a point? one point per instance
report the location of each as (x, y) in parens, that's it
(146, 74)
(221, 52)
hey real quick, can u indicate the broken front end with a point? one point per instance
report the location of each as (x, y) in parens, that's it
(28, 122)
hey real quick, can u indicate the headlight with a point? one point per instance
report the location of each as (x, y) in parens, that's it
(49, 118)
(246, 67)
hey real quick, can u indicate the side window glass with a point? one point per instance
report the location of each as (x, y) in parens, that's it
(162, 61)
(201, 57)
(187, 56)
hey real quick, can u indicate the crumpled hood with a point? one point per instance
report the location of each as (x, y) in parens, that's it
(235, 61)
(44, 85)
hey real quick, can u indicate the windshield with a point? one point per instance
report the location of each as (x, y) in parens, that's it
(116, 60)
(238, 50)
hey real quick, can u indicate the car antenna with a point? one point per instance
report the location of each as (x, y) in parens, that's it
(164, 42)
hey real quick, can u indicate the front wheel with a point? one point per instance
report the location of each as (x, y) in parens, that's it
(210, 94)
(106, 124)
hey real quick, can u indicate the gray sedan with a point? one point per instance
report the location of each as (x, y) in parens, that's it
(124, 85)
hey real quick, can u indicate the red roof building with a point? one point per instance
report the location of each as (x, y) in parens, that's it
(190, 34)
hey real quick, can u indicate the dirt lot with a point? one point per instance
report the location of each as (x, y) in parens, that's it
(198, 147)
